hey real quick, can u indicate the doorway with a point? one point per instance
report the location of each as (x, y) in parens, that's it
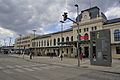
(86, 52)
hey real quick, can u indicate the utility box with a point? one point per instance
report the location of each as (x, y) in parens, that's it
(100, 48)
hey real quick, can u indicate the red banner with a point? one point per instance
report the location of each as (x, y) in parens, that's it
(84, 37)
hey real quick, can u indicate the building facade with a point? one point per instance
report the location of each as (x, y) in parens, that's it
(64, 42)
(23, 43)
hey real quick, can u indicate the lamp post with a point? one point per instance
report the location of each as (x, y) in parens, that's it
(20, 43)
(10, 41)
(61, 56)
(78, 39)
(34, 41)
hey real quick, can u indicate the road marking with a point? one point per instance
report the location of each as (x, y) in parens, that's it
(19, 70)
(26, 65)
(45, 67)
(28, 69)
(7, 71)
(8, 66)
(36, 68)
(18, 66)
(1, 67)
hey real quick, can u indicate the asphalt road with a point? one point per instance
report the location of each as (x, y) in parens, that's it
(12, 68)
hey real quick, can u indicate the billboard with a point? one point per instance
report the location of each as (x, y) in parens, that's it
(101, 41)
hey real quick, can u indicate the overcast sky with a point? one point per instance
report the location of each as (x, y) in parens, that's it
(22, 16)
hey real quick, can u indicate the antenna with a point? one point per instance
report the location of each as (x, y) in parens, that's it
(10, 41)
(66, 4)
(90, 3)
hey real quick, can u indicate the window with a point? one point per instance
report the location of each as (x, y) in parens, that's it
(87, 29)
(86, 36)
(47, 42)
(67, 39)
(58, 40)
(54, 42)
(95, 27)
(71, 38)
(79, 30)
(50, 42)
(44, 42)
(117, 50)
(36, 44)
(39, 43)
(117, 35)
(62, 39)
(92, 28)
(84, 29)
(67, 50)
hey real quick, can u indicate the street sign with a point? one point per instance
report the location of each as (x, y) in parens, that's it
(84, 37)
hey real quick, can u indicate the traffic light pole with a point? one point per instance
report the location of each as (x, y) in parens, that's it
(78, 39)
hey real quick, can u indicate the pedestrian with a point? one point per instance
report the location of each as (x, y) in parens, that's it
(61, 56)
(81, 56)
(30, 55)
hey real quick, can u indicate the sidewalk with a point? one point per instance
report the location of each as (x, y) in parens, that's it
(72, 62)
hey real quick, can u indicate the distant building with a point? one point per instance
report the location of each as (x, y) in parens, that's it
(91, 19)
(23, 43)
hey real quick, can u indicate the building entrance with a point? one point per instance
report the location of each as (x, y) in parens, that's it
(86, 52)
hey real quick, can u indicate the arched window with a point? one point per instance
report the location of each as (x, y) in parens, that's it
(86, 36)
(67, 39)
(39, 43)
(44, 42)
(47, 42)
(58, 40)
(50, 42)
(62, 39)
(117, 35)
(71, 38)
(54, 42)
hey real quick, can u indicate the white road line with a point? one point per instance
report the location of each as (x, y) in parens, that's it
(19, 70)
(18, 66)
(8, 66)
(56, 67)
(36, 68)
(26, 65)
(28, 69)
(45, 67)
(1, 67)
(7, 71)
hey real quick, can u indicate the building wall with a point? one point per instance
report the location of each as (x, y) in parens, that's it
(24, 42)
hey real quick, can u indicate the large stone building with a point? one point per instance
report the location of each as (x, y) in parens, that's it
(23, 43)
(91, 19)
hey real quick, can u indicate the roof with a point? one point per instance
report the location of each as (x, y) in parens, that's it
(94, 12)
(49, 35)
(112, 21)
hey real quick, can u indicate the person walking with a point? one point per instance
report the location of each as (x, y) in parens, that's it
(81, 56)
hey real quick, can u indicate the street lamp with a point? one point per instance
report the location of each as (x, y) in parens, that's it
(61, 56)
(34, 41)
(78, 39)
(20, 43)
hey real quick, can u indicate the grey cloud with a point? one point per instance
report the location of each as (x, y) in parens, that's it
(22, 16)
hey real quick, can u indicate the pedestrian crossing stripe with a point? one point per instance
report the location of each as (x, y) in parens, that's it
(7, 71)
(8, 66)
(28, 69)
(1, 67)
(18, 66)
(19, 70)
(36, 68)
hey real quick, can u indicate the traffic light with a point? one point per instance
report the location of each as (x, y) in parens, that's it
(65, 16)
